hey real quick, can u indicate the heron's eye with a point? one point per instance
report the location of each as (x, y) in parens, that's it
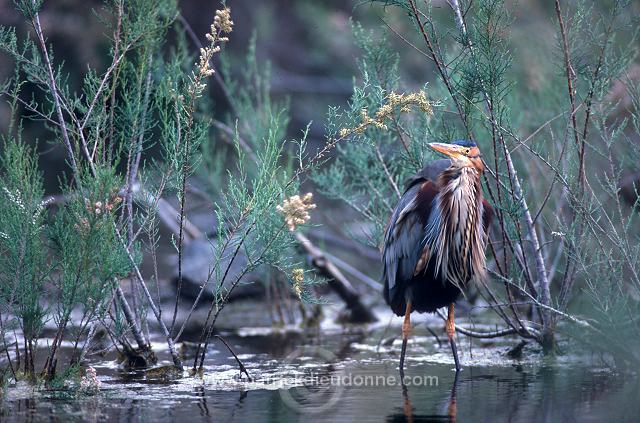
(467, 151)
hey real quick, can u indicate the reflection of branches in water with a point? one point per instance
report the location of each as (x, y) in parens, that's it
(346, 350)
(202, 401)
(238, 405)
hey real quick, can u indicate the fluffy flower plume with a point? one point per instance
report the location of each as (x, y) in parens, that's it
(90, 381)
(223, 21)
(99, 207)
(297, 275)
(15, 197)
(394, 101)
(222, 24)
(296, 210)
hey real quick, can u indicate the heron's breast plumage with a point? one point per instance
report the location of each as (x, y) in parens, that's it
(454, 230)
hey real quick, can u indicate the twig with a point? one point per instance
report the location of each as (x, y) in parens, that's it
(243, 369)
(207, 330)
(435, 335)
(543, 282)
(570, 74)
(570, 267)
(54, 92)
(234, 135)
(439, 65)
(170, 343)
(105, 78)
(6, 347)
(574, 319)
(493, 334)
(85, 347)
(128, 314)
(404, 39)
(387, 173)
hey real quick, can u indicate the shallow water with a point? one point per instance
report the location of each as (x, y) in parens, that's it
(338, 375)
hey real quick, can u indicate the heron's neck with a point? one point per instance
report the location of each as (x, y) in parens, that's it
(461, 184)
(458, 230)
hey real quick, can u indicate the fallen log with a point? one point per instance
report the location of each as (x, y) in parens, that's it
(358, 312)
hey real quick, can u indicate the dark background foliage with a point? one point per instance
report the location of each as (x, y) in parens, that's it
(309, 44)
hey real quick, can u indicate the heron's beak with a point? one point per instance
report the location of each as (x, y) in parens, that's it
(446, 149)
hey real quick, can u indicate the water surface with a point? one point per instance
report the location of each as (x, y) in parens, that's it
(347, 375)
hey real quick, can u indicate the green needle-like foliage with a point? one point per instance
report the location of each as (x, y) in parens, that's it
(558, 147)
(69, 266)
(24, 267)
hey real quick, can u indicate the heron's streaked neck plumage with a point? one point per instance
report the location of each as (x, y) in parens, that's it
(459, 233)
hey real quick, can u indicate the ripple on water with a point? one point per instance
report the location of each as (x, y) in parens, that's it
(490, 385)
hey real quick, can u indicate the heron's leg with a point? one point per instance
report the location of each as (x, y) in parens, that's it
(406, 329)
(451, 333)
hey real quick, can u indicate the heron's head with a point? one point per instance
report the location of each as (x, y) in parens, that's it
(462, 153)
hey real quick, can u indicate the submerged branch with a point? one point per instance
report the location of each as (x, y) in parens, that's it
(241, 365)
(493, 334)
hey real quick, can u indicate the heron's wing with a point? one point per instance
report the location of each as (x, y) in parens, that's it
(429, 172)
(404, 242)
(487, 216)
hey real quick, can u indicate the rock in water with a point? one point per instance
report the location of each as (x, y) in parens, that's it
(198, 259)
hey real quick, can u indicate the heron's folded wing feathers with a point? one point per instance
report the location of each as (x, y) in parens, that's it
(487, 215)
(404, 244)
